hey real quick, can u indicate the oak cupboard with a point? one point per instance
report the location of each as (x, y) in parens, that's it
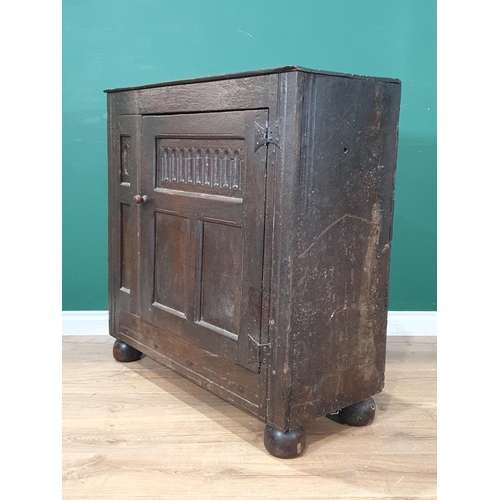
(250, 226)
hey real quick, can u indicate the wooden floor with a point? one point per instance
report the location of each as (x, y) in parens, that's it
(139, 430)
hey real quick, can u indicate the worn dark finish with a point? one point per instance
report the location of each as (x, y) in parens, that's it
(250, 221)
(124, 353)
(358, 414)
(290, 444)
(255, 73)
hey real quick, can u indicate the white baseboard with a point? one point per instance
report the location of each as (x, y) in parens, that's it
(85, 323)
(414, 323)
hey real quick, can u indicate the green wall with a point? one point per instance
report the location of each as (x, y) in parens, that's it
(110, 44)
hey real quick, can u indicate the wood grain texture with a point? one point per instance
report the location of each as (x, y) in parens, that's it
(142, 431)
(340, 264)
(244, 93)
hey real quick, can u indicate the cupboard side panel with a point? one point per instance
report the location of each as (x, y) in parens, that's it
(341, 257)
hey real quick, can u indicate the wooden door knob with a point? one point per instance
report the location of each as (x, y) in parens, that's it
(140, 199)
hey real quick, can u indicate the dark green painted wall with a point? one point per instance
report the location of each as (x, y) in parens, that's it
(132, 42)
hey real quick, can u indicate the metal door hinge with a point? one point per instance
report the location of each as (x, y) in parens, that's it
(265, 349)
(270, 134)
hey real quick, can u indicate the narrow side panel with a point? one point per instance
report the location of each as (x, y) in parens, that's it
(123, 226)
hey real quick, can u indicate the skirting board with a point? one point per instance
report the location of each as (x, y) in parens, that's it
(414, 323)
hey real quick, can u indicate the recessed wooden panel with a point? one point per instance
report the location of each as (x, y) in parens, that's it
(125, 163)
(221, 276)
(201, 165)
(126, 248)
(171, 240)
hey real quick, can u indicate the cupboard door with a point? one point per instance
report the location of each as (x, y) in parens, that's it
(202, 230)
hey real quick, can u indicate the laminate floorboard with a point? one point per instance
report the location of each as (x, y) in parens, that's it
(140, 431)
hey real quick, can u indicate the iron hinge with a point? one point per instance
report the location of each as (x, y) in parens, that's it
(270, 134)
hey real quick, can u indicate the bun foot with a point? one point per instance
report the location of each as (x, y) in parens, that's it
(358, 414)
(124, 353)
(290, 444)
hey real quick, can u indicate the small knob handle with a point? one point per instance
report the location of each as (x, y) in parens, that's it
(140, 199)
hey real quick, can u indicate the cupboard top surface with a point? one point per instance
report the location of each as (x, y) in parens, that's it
(283, 69)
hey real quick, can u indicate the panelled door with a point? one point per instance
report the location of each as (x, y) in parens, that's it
(201, 220)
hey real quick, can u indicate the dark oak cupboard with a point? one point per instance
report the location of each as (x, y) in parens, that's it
(250, 225)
